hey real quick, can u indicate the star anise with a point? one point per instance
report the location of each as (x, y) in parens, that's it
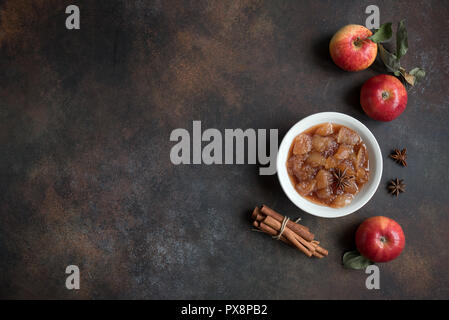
(396, 186)
(342, 180)
(400, 156)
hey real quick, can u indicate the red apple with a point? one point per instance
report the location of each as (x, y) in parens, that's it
(380, 239)
(383, 97)
(351, 50)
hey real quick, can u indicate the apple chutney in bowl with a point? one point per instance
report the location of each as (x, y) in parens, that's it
(291, 173)
(328, 164)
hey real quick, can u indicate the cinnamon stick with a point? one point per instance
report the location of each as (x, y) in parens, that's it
(269, 230)
(289, 234)
(270, 222)
(255, 213)
(295, 227)
(305, 243)
(321, 250)
(317, 251)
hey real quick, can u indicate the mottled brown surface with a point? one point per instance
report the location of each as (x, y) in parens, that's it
(85, 119)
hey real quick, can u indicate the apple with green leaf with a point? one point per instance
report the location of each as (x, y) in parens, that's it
(351, 49)
(378, 239)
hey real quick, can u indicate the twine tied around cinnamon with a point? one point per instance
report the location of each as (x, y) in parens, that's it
(281, 230)
(283, 225)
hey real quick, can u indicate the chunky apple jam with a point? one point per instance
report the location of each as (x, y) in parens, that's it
(328, 164)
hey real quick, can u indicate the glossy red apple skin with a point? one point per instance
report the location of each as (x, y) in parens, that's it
(383, 97)
(380, 239)
(351, 50)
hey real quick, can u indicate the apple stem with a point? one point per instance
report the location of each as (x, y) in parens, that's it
(385, 95)
(358, 42)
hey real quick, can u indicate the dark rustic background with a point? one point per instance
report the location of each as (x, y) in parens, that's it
(86, 179)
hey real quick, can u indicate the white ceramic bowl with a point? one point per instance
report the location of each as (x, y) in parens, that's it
(375, 165)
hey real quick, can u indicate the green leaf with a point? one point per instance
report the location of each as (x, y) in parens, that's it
(401, 40)
(389, 59)
(412, 77)
(384, 33)
(418, 73)
(354, 260)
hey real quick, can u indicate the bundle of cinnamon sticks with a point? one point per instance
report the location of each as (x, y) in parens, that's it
(290, 232)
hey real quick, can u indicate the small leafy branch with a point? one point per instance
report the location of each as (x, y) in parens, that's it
(392, 60)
